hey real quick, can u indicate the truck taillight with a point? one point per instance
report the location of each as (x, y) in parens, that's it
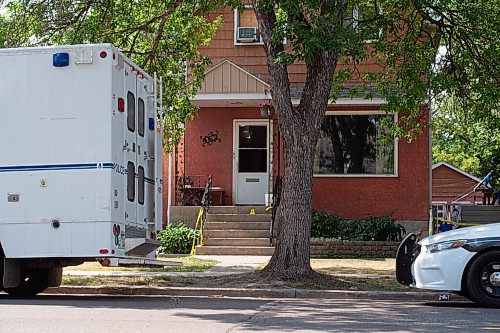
(121, 104)
(103, 54)
(103, 251)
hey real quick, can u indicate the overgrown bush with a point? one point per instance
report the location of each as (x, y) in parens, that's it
(326, 225)
(177, 239)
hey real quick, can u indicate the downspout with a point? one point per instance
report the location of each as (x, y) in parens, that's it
(170, 184)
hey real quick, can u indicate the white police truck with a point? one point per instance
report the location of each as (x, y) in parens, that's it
(80, 162)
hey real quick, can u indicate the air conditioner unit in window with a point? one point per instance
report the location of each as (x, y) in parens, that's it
(248, 35)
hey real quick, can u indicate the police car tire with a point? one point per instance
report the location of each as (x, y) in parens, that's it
(474, 290)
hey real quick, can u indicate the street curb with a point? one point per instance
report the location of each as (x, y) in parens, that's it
(261, 293)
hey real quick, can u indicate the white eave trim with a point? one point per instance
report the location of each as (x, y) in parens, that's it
(215, 97)
(456, 169)
(264, 96)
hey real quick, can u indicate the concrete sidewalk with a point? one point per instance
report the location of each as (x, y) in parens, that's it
(227, 265)
(235, 265)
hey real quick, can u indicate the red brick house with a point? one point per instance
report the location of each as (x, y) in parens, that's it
(355, 176)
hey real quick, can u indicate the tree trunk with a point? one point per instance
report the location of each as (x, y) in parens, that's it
(291, 256)
(300, 127)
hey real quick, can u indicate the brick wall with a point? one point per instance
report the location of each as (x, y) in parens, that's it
(353, 249)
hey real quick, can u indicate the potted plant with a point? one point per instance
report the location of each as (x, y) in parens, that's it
(265, 108)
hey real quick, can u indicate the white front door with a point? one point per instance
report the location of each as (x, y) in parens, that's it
(251, 161)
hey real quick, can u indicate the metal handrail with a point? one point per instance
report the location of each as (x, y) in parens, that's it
(206, 202)
(275, 205)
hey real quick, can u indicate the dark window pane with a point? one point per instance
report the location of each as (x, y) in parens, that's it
(131, 181)
(131, 111)
(140, 115)
(252, 160)
(141, 183)
(253, 137)
(354, 144)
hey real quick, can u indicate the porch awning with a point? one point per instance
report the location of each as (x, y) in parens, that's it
(228, 85)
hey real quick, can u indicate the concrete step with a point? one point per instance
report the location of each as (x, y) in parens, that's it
(212, 225)
(236, 250)
(239, 217)
(235, 233)
(237, 242)
(237, 209)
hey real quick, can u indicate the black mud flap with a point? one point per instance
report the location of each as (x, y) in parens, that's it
(404, 259)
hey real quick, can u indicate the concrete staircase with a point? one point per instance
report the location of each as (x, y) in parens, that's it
(231, 230)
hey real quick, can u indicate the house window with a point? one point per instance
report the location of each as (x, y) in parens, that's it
(246, 27)
(355, 144)
(131, 181)
(363, 19)
(140, 115)
(131, 112)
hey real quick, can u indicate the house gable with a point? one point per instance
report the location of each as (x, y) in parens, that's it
(451, 182)
(228, 85)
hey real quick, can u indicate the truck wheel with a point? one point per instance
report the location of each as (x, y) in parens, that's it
(33, 282)
(483, 279)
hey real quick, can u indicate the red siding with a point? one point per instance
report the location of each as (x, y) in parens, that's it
(449, 185)
(406, 196)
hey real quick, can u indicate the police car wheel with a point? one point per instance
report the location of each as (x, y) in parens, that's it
(483, 279)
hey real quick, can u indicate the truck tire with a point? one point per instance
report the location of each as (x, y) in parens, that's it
(33, 282)
(483, 279)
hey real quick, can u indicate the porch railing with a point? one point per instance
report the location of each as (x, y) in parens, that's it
(202, 215)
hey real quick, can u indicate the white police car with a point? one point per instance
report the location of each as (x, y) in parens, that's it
(466, 261)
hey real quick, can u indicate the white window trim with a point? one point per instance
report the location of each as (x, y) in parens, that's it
(358, 175)
(237, 25)
(355, 17)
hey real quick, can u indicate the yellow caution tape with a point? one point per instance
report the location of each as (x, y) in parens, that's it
(457, 223)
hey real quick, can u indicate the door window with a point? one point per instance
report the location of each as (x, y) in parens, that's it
(252, 149)
(140, 115)
(141, 183)
(131, 111)
(131, 181)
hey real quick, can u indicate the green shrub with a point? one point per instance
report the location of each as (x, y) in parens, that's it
(177, 239)
(326, 225)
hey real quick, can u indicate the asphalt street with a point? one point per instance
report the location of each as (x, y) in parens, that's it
(71, 314)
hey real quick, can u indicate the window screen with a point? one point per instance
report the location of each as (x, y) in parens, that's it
(140, 192)
(131, 181)
(131, 111)
(140, 115)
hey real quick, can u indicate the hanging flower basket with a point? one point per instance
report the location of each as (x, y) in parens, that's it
(265, 109)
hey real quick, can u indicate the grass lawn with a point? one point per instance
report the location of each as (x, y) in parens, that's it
(189, 264)
(326, 277)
